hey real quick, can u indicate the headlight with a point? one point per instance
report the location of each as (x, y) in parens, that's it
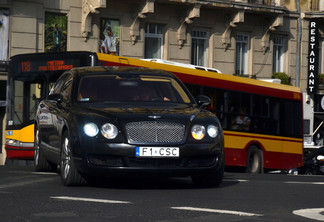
(90, 129)
(109, 131)
(212, 131)
(12, 142)
(198, 132)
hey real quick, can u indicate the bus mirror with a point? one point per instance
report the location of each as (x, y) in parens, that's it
(203, 100)
(55, 97)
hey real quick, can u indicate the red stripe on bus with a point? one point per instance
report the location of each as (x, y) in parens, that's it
(297, 140)
(271, 160)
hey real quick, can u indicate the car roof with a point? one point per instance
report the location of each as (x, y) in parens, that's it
(119, 69)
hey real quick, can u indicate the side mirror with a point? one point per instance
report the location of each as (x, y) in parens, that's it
(320, 157)
(55, 97)
(203, 100)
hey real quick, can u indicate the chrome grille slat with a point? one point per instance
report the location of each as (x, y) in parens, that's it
(155, 132)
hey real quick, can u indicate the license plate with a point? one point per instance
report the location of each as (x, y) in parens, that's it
(157, 152)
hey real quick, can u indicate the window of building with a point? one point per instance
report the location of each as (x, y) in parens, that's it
(278, 54)
(153, 41)
(242, 54)
(199, 48)
(4, 34)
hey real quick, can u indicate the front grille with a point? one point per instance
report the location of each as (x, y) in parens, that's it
(155, 132)
(155, 163)
(201, 161)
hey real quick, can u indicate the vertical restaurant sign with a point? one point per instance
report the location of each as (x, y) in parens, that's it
(312, 79)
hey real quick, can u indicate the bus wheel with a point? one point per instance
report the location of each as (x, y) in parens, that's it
(69, 174)
(40, 162)
(253, 160)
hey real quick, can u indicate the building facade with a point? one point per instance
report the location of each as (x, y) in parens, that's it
(253, 38)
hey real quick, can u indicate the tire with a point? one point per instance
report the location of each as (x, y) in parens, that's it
(210, 180)
(309, 171)
(69, 174)
(40, 162)
(253, 160)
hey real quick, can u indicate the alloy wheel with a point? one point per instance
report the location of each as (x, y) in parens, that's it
(36, 148)
(66, 160)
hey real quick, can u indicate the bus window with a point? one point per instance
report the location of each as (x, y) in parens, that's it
(260, 106)
(26, 101)
(217, 106)
(260, 113)
(240, 115)
(195, 90)
(291, 112)
(273, 126)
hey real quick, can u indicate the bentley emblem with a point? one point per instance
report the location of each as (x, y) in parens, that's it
(154, 117)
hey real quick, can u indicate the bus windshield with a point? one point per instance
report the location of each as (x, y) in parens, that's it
(26, 99)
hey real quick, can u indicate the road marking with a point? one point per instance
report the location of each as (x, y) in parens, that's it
(314, 183)
(44, 173)
(91, 200)
(234, 180)
(28, 182)
(239, 213)
(312, 213)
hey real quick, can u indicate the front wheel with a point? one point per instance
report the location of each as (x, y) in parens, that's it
(309, 171)
(40, 162)
(69, 174)
(210, 180)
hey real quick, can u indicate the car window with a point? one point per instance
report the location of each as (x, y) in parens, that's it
(139, 89)
(59, 84)
(66, 88)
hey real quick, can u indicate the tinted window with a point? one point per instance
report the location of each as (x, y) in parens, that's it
(118, 89)
(59, 84)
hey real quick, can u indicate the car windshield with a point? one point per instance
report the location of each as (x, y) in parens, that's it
(121, 88)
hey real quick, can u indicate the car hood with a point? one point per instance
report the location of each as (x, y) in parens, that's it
(180, 112)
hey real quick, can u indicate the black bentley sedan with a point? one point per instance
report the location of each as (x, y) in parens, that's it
(108, 121)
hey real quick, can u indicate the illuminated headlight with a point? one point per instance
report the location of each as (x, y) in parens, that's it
(90, 129)
(212, 131)
(109, 131)
(12, 142)
(198, 132)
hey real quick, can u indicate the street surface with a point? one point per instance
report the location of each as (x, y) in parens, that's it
(30, 196)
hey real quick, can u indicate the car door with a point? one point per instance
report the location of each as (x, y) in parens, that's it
(48, 110)
(59, 112)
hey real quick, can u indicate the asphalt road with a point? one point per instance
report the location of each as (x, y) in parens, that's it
(30, 196)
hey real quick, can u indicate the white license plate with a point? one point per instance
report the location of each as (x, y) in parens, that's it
(157, 152)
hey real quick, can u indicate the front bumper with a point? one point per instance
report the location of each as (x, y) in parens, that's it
(24, 153)
(114, 159)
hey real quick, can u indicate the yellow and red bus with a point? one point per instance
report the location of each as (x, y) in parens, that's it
(262, 121)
